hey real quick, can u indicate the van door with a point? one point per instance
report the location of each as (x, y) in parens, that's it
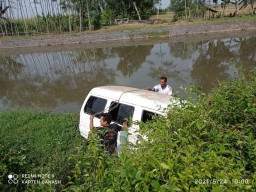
(93, 105)
(121, 112)
(142, 115)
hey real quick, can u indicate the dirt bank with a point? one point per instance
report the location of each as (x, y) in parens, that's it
(128, 35)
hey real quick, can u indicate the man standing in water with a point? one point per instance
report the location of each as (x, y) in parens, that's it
(162, 87)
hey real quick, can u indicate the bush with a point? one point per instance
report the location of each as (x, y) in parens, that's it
(206, 145)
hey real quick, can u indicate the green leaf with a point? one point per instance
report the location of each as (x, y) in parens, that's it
(217, 189)
(163, 165)
(155, 184)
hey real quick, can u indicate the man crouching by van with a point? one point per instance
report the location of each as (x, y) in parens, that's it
(107, 132)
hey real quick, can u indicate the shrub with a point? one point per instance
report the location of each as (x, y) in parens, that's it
(206, 145)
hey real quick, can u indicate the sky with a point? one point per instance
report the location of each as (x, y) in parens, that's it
(165, 3)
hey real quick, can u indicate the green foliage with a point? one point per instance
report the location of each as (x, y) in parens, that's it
(96, 21)
(107, 16)
(92, 168)
(36, 143)
(126, 9)
(205, 144)
(188, 9)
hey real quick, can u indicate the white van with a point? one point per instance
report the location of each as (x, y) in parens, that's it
(122, 102)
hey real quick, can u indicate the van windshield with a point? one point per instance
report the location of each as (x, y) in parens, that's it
(120, 112)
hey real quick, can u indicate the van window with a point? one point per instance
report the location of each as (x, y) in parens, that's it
(120, 111)
(95, 105)
(147, 116)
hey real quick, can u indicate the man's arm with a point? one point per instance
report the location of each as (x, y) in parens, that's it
(124, 126)
(91, 122)
(150, 89)
(153, 88)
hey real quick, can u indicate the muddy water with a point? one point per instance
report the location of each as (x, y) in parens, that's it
(58, 78)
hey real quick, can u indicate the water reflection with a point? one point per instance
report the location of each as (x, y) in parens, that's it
(59, 80)
(131, 58)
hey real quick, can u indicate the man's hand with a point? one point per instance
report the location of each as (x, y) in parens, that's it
(124, 126)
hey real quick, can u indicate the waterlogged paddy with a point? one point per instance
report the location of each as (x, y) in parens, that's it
(58, 78)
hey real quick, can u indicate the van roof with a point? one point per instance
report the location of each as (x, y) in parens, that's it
(140, 97)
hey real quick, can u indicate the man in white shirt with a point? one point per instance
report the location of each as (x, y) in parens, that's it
(162, 87)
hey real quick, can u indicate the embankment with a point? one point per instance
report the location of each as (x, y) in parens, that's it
(171, 32)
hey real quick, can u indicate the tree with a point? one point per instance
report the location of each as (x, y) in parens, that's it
(89, 12)
(245, 3)
(188, 8)
(134, 3)
(224, 3)
(158, 7)
(235, 3)
(132, 9)
(146, 8)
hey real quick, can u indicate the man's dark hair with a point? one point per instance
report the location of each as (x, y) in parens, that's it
(106, 117)
(164, 78)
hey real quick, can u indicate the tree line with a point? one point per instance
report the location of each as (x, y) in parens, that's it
(59, 16)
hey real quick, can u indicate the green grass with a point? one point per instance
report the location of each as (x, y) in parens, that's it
(238, 18)
(35, 142)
